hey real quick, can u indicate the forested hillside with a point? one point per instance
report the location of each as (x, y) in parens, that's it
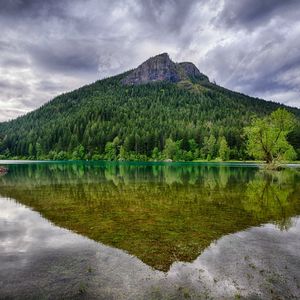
(186, 120)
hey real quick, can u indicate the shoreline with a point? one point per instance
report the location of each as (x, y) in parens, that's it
(291, 164)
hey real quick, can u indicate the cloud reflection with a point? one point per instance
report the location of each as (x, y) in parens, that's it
(38, 259)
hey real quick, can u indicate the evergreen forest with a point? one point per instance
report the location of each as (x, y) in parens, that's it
(108, 120)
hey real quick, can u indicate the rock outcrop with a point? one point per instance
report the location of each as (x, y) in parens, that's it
(3, 170)
(191, 71)
(162, 68)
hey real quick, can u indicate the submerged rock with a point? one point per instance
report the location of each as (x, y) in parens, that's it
(3, 170)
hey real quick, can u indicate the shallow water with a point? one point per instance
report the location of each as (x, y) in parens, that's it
(149, 231)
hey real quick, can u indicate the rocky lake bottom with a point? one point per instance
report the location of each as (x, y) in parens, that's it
(144, 231)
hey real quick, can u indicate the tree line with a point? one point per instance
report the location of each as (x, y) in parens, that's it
(107, 120)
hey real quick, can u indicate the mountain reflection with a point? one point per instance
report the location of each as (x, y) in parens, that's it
(159, 213)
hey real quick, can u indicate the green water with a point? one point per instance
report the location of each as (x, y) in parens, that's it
(160, 213)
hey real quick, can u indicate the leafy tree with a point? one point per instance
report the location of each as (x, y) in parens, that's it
(156, 155)
(267, 136)
(122, 154)
(78, 153)
(110, 151)
(290, 154)
(172, 149)
(194, 149)
(223, 149)
(62, 155)
(209, 147)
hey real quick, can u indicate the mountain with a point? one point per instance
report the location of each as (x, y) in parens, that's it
(162, 68)
(160, 110)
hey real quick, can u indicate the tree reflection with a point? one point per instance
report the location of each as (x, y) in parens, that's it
(268, 196)
(159, 213)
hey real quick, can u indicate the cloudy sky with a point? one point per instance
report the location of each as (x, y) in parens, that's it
(52, 46)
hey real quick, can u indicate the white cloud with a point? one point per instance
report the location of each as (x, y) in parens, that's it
(51, 47)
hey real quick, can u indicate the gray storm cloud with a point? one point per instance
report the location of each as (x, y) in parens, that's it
(50, 47)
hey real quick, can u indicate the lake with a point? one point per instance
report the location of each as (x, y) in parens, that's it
(104, 230)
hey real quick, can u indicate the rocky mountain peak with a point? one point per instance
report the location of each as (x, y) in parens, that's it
(162, 68)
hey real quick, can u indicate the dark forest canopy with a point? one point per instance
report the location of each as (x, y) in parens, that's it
(187, 120)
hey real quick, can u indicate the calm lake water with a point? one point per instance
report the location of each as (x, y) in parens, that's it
(83, 230)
